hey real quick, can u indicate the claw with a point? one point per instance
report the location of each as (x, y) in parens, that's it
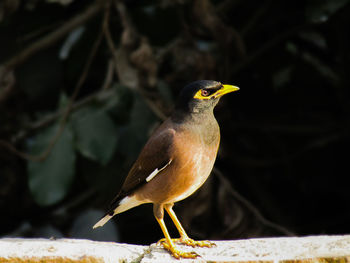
(161, 241)
(174, 251)
(190, 242)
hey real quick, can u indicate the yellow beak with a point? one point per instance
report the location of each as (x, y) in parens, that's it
(226, 89)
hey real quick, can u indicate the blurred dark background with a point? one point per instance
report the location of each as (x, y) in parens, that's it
(84, 83)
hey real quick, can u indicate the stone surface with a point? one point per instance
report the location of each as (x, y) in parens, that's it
(284, 250)
(66, 250)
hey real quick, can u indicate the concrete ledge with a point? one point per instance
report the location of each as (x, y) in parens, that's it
(284, 250)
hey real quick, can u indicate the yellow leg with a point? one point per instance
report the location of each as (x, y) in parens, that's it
(183, 236)
(168, 244)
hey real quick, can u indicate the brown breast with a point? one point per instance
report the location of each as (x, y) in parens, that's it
(194, 152)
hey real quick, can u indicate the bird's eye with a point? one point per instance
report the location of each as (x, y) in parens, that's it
(205, 93)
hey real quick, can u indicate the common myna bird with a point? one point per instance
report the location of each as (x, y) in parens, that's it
(176, 161)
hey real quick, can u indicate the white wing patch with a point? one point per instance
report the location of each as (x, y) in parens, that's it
(156, 171)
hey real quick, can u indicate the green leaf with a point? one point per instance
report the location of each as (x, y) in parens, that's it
(292, 48)
(141, 118)
(49, 180)
(282, 77)
(119, 103)
(165, 92)
(96, 134)
(63, 101)
(135, 134)
(319, 11)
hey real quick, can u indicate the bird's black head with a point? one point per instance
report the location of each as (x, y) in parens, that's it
(202, 96)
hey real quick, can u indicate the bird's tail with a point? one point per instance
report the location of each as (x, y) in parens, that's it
(122, 205)
(103, 221)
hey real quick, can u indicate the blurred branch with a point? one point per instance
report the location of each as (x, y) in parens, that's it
(228, 37)
(318, 143)
(250, 206)
(7, 83)
(322, 67)
(259, 12)
(74, 203)
(267, 47)
(124, 16)
(109, 75)
(54, 36)
(135, 64)
(38, 32)
(162, 52)
(50, 118)
(66, 113)
(7, 8)
(227, 5)
(107, 33)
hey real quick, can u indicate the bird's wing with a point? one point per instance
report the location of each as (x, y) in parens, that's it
(154, 158)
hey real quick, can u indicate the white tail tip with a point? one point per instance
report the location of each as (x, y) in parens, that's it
(103, 221)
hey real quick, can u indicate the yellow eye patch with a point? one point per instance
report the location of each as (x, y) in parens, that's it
(224, 89)
(201, 94)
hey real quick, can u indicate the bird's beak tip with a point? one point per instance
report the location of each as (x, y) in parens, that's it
(228, 89)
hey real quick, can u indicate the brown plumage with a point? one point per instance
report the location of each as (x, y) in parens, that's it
(176, 160)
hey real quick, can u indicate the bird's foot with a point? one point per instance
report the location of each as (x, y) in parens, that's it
(189, 242)
(174, 251)
(193, 243)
